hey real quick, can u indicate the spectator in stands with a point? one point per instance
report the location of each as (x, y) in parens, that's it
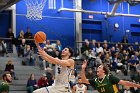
(106, 48)
(4, 86)
(49, 76)
(21, 34)
(28, 56)
(10, 33)
(99, 48)
(107, 59)
(113, 51)
(132, 63)
(43, 81)
(10, 68)
(114, 62)
(31, 84)
(85, 49)
(79, 87)
(28, 34)
(10, 43)
(121, 47)
(90, 74)
(130, 49)
(59, 46)
(2, 48)
(93, 46)
(132, 66)
(98, 60)
(124, 40)
(50, 49)
(125, 64)
(22, 48)
(117, 49)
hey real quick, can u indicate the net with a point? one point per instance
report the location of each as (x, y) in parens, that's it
(34, 9)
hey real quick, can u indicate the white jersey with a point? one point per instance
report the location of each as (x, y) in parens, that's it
(80, 89)
(62, 76)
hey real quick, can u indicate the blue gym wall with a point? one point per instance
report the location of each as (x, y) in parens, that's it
(5, 22)
(61, 25)
(57, 25)
(107, 24)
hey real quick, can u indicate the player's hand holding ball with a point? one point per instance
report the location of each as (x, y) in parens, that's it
(40, 37)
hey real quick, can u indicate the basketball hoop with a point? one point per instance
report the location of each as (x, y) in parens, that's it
(34, 9)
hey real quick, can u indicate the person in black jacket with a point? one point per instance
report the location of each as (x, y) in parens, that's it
(10, 68)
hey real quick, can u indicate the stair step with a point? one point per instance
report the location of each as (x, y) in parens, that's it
(17, 92)
(17, 88)
(26, 77)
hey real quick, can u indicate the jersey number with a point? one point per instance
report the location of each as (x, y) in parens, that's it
(102, 89)
(59, 70)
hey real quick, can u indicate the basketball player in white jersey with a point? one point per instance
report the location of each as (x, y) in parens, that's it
(65, 65)
(80, 87)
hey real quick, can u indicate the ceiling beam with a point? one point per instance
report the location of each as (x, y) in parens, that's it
(10, 3)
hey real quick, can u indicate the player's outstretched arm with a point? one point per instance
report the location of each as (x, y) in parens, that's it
(50, 59)
(129, 84)
(83, 76)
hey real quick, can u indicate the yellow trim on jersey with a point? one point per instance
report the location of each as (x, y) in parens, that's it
(115, 88)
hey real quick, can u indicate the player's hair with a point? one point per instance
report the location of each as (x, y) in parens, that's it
(4, 75)
(71, 51)
(105, 68)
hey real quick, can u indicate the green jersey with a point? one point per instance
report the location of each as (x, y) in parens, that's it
(106, 85)
(4, 87)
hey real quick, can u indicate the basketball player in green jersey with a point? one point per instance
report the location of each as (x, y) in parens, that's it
(105, 82)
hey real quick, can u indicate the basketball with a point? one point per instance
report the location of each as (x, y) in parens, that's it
(40, 37)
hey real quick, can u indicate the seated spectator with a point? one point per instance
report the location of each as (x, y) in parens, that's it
(93, 46)
(22, 48)
(99, 48)
(132, 66)
(85, 49)
(90, 74)
(28, 56)
(59, 46)
(107, 59)
(10, 43)
(132, 63)
(106, 48)
(31, 84)
(50, 49)
(49, 76)
(43, 81)
(10, 68)
(10, 33)
(2, 48)
(28, 34)
(124, 40)
(58, 49)
(21, 34)
(98, 60)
